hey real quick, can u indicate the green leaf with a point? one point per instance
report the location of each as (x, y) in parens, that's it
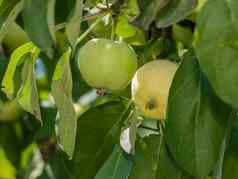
(103, 28)
(11, 142)
(217, 47)
(35, 161)
(129, 133)
(183, 34)
(148, 12)
(175, 11)
(146, 158)
(62, 92)
(51, 18)
(48, 128)
(230, 165)
(10, 17)
(132, 8)
(7, 171)
(151, 49)
(27, 95)
(218, 170)
(124, 29)
(138, 39)
(73, 27)
(62, 10)
(91, 3)
(6, 7)
(152, 160)
(3, 67)
(26, 155)
(200, 4)
(197, 120)
(97, 133)
(128, 138)
(55, 168)
(16, 58)
(167, 167)
(118, 166)
(36, 18)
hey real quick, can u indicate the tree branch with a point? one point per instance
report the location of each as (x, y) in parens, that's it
(85, 18)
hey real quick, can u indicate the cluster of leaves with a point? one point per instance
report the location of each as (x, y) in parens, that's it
(65, 130)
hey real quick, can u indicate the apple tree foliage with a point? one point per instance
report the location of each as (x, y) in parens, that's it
(53, 125)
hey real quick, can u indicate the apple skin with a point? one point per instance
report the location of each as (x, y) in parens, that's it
(107, 64)
(150, 88)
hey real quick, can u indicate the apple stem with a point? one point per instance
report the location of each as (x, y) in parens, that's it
(85, 18)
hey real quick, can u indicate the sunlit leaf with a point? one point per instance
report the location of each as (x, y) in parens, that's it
(28, 94)
(7, 171)
(129, 133)
(15, 60)
(62, 93)
(132, 8)
(35, 163)
(73, 26)
(124, 29)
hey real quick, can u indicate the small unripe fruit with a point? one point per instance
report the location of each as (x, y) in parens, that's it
(107, 64)
(150, 88)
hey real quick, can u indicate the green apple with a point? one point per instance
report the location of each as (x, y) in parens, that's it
(150, 88)
(107, 64)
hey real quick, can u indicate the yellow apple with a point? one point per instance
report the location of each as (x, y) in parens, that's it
(150, 88)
